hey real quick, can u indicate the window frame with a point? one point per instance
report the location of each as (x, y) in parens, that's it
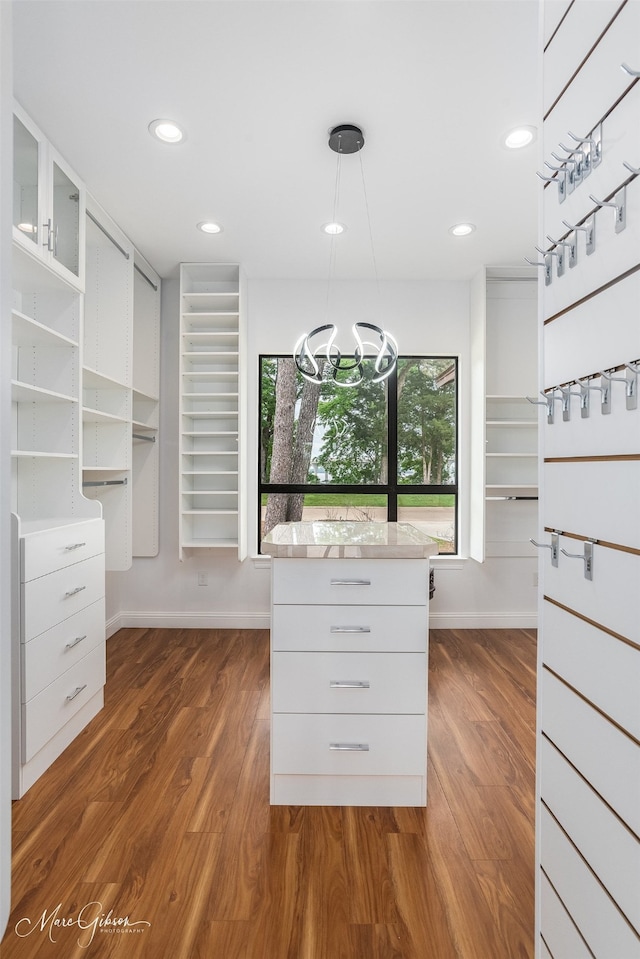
(392, 489)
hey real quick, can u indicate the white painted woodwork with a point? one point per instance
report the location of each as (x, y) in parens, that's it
(602, 838)
(601, 923)
(341, 621)
(51, 653)
(50, 599)
(560, 933)
(604, 668)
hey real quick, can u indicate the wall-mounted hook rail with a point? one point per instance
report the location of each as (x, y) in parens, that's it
(559, 254)
(629, 70)
(560, 180)
(553, 546)
(546, 264)
(142, 436)
(586, 557)
(589, 229)
(120, 482)
(572, 245)
(619, 204)
(632, 169)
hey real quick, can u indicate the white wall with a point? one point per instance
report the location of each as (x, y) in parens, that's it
(425, 317)
(6, 216)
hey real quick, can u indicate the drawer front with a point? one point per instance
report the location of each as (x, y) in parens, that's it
(53, 598)
(51, 653)
(349, 682)
(349, 745)
(350, 628)
(52, 549)
(47, 712)
(351, 582)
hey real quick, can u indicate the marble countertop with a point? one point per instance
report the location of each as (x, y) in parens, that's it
(338, 539)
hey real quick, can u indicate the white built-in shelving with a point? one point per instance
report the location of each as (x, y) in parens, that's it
(211, 373)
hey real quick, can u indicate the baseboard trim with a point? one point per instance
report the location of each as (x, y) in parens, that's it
(244, 620)
(187, 620)
(454, 620)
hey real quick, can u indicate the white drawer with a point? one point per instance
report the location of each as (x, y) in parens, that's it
(602, 839)
(53, 652)
(48, 550)
(349, 682)
(351, 582)
(607, 758)
(50, 599)
(606, 931)
(47, 712)
(349, 745)
(350, 628)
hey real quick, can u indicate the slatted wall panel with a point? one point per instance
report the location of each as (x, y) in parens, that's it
(589, 671)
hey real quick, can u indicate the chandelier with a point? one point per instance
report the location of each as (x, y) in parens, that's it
(315, 360)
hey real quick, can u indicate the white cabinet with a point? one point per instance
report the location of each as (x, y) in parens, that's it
(48, 203)
(212, 513)
(349, 687)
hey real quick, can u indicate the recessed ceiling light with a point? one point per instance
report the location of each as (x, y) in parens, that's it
(520, 137)
(333, 229)
(462, 229)
(208, 226)
(167, 130)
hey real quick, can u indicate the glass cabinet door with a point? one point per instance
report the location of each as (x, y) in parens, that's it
(25, 182)
(66, 220)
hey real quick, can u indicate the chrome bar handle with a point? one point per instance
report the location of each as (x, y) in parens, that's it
(350, 747)
(350, 582)
(75, 545)
(72, 592)
(76, 692)
(350, 629)
(349, 684)
(49, 240)
(75, 642)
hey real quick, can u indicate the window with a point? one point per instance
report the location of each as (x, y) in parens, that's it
(378, 452)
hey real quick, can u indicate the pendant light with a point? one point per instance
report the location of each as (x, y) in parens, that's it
(315, 359)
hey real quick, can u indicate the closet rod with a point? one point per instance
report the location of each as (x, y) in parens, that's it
(108, 235)
(122, 482)
(143, 274)
(141, 436)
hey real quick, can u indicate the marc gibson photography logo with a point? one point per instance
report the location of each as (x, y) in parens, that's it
(91, 918)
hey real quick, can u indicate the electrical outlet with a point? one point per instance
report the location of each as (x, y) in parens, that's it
(203, 579)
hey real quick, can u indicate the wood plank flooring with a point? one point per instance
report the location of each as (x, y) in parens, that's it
(159, 814)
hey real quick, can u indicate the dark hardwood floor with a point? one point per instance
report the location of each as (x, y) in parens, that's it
(158, 816)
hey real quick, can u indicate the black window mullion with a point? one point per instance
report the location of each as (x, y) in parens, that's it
(392, 446)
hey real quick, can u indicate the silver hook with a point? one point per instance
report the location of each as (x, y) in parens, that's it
(594, 139)
(559, 254)
(548, 402)
(629, 70)
(586, 557)
(632, 169)
(561, 180)
(619, 203)
(546, 266)
(573, 248)
(590, 230)
(605, 405)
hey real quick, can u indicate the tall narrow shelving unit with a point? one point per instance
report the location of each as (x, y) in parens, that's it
(211, 395)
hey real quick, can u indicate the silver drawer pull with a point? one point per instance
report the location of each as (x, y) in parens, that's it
(75, 642)
(76, 692)
(350, 747)
(349, 684)
(72, 592)
(350, 629)
(350, 582)
(75, 545)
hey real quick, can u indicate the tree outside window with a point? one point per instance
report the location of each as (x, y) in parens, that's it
(378, 451)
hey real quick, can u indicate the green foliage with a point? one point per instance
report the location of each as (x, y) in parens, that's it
(426, 423)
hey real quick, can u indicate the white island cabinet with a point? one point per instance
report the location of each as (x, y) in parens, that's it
(349, 656)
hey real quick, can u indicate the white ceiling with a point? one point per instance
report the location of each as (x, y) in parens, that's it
(257, 84)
